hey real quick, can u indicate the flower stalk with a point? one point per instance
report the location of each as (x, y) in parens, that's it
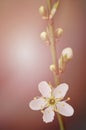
(52, 41)
(53, 51)
(60, 122)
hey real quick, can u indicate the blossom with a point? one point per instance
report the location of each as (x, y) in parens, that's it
(52, 101)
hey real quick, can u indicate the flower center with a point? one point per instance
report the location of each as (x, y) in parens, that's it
(52, 101)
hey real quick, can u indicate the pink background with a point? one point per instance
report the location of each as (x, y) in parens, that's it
(25, 60)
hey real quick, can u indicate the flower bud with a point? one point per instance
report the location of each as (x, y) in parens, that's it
(59, 32)
(52, 68)
(43, 36)
(43, 12)
(67, 54)
(53, 10)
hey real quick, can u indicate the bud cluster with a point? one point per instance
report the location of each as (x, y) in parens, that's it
(44, 13)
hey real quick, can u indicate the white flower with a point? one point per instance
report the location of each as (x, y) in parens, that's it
(51, 101)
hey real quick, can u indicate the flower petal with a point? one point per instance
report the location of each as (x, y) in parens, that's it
(44, 89)
(60, 91)
(64, 108)
(37, 104)
(48, 115)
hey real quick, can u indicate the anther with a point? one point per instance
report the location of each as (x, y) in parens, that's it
(35, 98)
(67, 99)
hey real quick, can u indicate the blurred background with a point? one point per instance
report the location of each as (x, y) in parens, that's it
(25, 60)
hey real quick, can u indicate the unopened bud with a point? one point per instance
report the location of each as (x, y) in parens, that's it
(43, 36)
(59, 32)
(53, 10)
(67, 54)
(52, 68)
(43, 12)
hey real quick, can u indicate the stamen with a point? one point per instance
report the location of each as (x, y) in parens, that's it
(67, 99)
(50, 84)
(35, 98)
(42, 111)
